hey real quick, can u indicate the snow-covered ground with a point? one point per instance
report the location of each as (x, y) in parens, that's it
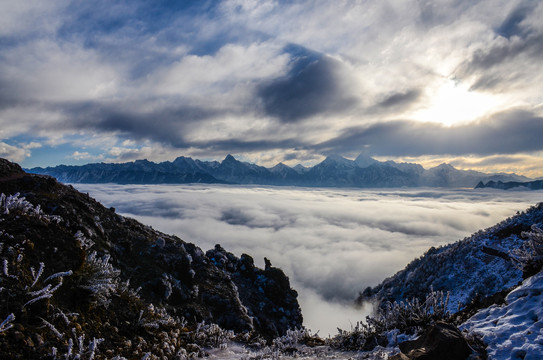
(513, 330)
(237, 352)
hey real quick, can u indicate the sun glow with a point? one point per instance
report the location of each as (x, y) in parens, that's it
(452, 103)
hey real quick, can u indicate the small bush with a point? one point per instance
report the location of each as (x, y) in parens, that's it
(408, 317)
(529, 258)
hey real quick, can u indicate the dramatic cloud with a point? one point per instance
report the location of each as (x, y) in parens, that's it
(505, 133)
(313, 88)
(331, 243)
(275, 80)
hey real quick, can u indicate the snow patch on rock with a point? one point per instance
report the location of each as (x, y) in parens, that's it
(513, 330)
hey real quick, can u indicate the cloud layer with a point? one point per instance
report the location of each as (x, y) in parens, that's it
(275, 80)
(331, 243)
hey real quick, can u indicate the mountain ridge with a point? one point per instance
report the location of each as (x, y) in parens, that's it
(333, 171)
(532, 185)
(124, 282)
(51, 228)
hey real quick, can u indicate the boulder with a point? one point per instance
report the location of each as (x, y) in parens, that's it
(441, 341)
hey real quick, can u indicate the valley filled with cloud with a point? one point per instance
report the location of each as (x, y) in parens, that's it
(332, 243)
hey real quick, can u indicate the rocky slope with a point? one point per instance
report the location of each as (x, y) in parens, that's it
(78, 278)
(472, 269)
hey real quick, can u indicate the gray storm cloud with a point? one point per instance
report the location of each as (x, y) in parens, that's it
(512, 132)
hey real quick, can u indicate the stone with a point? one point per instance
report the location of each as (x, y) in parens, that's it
(440, 341)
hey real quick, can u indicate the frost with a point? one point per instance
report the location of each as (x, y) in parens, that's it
(52, 328)
(19, 205)
(514, 329)
(84, 243)
(394, 319)
(48, 290)
(59, 275)
(529, 257)
(6, 324)
(103, 278)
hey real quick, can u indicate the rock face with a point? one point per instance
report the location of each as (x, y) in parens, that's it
(273, 306)
(103, 258)
(9, 169)
(440, 341)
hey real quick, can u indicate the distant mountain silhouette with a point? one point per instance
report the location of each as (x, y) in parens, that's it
(334, 171)
(532, 185)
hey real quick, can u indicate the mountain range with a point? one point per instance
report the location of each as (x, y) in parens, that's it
(532, 185)
(334, 171)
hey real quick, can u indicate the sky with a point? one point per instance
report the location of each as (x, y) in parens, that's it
(456, 81)
(331, 243)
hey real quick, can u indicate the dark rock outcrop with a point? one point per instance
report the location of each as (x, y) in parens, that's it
(273, 306)
(440, 341)
(9, 169)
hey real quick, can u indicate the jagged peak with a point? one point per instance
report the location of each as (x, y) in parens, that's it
(229, 158)
(363, 160)
(280, 167)
(445, 166)
(183, 158)
(335, 158)
(300, 169)
(143, 161)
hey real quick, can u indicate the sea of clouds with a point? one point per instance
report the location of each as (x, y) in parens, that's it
(332, 243)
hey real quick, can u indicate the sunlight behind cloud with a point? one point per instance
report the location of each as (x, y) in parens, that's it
(454, 103)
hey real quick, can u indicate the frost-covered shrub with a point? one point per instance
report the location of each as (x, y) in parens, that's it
(408, 317)
(211, 335)
(529, 258)
(101, 278)
(7, 323)
(154, 318)
(47, 291)
(82, 241)
(292, 338)
(17, 204)
(412, 314)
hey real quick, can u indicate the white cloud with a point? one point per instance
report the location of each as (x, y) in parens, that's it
(77, 155)
(331, 243)
(19, 18)
(12, 153)
(232, 66)
(195, 76)
(48, 70)
(17, 153)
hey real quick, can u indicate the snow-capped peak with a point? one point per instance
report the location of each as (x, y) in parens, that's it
(364, 160)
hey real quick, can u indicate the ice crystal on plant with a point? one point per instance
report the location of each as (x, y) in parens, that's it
(83, 241)
(529, 257)
(6, 324)
(103, 278)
